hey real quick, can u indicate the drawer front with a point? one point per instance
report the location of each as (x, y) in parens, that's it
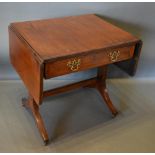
(91, 60)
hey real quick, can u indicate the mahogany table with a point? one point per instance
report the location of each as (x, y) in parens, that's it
(44, 49)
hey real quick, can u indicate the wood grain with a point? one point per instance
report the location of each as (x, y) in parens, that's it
(99, 58)
(130, 66)
(62, 37)
(85, 83)
(28, 68)
(101, 86)
(42, 49)
(34, 107)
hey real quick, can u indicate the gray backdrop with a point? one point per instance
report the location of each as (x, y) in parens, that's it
(137, 18)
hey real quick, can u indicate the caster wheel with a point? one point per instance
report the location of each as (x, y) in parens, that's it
(114, 114)
(46, 142)
(25, 103)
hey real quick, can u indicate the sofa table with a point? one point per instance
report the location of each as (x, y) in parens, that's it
(44, 49)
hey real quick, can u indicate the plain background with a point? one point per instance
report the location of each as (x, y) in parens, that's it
(137, 18)
(79, 121)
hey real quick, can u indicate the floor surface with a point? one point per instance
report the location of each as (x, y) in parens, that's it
(79, 121)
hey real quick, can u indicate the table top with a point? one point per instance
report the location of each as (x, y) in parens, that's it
(61, 37)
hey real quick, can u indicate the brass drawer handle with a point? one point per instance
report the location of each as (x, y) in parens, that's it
(74, 64)
(114, 55)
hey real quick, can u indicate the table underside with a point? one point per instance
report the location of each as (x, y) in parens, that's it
(98, 82)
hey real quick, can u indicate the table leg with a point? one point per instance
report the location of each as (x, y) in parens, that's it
(101, 86)
(32, 105)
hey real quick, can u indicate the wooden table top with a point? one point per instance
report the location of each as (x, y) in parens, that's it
(60, 37)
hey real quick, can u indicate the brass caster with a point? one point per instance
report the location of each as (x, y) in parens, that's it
(46, 142)
(114, 114)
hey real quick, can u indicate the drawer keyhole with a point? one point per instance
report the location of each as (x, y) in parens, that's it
(114, 55)
(74, 64)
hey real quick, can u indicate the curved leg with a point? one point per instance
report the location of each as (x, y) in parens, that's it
(101, 86)
(30, 103)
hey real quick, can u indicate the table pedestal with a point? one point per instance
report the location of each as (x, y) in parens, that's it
(99, 83)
